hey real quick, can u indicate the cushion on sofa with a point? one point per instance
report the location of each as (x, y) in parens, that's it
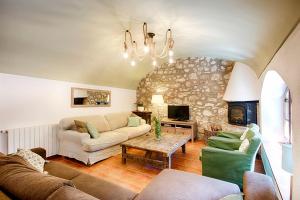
(80, 126)
(32, 158)
(97, 120)
(17, 177)
(117, 120)
(134, 131)
(134, 121)
(61, 170)
(70, 193)
(101, 188)
(106, 139)
(173, 184)
(92, 130)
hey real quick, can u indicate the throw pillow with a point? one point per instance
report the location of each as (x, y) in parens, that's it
(233, 197)
(81, 126)
(35, 160)
(254, 127)
(244, 146)
(92, 130)
(243, 136)
(133, 121)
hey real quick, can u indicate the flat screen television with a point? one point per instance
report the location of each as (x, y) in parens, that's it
(179, 112)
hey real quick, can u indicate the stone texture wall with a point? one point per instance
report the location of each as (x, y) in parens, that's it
(197, 82)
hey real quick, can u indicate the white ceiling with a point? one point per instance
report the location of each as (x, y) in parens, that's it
(81, 41)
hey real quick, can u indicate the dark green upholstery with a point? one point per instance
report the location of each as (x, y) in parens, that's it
(229, 165)
(224, 143)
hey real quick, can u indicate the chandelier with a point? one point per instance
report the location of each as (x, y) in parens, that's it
(132, 52)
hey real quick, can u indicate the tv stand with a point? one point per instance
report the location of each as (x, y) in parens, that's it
(175, 126)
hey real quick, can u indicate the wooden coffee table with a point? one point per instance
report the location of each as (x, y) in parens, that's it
(166, 146)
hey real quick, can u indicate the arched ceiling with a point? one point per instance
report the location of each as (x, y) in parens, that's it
(81, 41)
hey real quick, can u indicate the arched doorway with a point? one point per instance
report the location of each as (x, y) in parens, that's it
(275, 109)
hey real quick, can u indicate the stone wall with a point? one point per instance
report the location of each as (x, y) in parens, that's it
(197, 82)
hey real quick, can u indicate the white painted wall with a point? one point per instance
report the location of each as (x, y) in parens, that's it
(243, 84)
(27, 101)
(286, 63)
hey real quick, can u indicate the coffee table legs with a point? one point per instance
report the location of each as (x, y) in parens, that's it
(123, 154)
(183, 148)
(168, 162)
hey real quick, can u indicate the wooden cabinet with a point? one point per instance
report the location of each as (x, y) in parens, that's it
(172, 126)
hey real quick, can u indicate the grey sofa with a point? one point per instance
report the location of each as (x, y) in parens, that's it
(168, 185)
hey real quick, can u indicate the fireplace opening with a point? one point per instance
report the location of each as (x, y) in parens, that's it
(242, 113)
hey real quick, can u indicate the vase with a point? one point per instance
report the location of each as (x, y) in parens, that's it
(157, 129)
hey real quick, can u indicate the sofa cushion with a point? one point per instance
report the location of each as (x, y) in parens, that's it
(134, 121)
(70, 193)
(117, 120)
(24, 182)
(134, 131)
(61, 170)
(97, 120)
(173, 184)
(32, 158)
(81, 126)
(106, 139)
(101, 188)
(92, 130)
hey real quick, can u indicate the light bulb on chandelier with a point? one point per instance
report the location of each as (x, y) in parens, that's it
(146, 49)
(171, 60)
(132, 63)
(171, 53)
(154, 63)
(125, 55)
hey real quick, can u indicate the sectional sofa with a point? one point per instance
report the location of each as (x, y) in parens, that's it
(113, 131)
(20, 181)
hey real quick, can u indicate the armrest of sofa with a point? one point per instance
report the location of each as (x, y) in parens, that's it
(40, 151)
(232, 135)
(74, 136)
(258, 186)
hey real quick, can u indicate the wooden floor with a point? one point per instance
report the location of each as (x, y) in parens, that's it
(136, 176)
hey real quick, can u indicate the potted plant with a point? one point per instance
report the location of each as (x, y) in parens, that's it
(140, 107)
(157, 127)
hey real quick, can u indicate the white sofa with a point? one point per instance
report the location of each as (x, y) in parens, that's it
(113, 131)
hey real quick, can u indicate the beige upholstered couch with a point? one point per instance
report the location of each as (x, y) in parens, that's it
(113, 131)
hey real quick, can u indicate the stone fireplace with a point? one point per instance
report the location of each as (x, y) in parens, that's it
(242, 113)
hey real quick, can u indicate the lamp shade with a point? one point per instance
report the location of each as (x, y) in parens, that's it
(287, 158)
(243, 84)
(157, 99)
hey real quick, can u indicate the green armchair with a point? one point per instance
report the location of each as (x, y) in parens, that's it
(230, 165)
(231, 140)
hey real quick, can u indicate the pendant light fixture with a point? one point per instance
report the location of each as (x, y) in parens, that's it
(132, 52)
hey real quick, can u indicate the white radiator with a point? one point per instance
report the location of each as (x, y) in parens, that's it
(31, 137)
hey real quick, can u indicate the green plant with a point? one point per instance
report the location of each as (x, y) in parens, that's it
(157, 128)
(139, 104)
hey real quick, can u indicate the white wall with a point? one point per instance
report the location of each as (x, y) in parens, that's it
(27, 101)
(286, 63)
